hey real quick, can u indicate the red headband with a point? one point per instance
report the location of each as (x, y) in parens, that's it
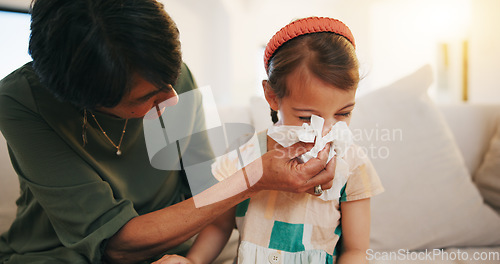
(302, 27)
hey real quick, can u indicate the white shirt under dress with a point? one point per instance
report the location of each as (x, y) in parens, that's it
(283, 227)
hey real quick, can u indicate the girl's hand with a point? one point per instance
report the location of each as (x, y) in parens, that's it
(282, 171)
(173, 259)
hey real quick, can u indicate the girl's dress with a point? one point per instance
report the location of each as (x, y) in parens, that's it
(283, 227)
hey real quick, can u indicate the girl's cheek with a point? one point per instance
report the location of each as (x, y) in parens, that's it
(348, 121)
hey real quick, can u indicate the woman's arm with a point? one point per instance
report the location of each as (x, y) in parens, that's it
(208, 244)
(355, 231)
(151, 234)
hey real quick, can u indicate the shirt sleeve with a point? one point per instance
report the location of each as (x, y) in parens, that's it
(363, 181)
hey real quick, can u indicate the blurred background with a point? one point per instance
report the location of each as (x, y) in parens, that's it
(223, 42)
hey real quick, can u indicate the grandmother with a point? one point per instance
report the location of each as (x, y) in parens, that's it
(72, 119)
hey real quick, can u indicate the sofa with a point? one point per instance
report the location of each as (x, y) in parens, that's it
(437, 207)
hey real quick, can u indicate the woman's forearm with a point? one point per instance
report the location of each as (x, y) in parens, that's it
(151, 234)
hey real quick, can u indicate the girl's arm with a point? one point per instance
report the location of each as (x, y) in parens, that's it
(212, 239)
(355, 231)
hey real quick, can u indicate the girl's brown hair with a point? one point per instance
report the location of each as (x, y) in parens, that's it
(328, 56)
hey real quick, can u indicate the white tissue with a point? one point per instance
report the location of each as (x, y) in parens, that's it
(339, 134)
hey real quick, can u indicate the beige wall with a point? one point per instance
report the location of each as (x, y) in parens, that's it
(15, 4)
(394, 38)
(485, 51)
(229, 58)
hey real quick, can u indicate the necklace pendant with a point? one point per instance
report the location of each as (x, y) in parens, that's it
(118, 151)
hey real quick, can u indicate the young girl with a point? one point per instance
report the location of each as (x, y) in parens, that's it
(312, 72)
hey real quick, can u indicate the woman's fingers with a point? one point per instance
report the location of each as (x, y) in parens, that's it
(315, 165)
(323, 154)
(323, 178)
(283, 171)
(296, 150)
(172, 259)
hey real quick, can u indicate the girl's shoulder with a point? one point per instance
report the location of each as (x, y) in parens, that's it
(356, 156)
(240, 153)
(363, 181)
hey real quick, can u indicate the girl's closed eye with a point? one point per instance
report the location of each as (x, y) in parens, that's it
(347, 114)
(305, 118)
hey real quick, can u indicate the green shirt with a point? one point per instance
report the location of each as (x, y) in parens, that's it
(74, 197)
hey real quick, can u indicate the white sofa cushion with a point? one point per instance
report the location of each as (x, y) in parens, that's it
(487, 177)
(473, 125)
(430, 200)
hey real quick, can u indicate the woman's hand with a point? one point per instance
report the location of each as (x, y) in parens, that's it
(173, 259)
(282, 171)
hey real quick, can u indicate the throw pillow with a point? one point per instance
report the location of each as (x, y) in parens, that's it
(487, 177)
(430, 200)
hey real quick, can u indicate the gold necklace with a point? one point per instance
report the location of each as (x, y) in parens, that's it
(118, 151)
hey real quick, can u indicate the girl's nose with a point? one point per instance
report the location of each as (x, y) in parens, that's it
(328, 125)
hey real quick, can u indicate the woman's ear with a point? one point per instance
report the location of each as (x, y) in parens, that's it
(271, 97)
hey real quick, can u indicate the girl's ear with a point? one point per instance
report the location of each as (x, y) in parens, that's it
(271, 97)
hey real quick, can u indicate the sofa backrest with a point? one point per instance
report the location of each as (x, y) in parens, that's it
(472, 125)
